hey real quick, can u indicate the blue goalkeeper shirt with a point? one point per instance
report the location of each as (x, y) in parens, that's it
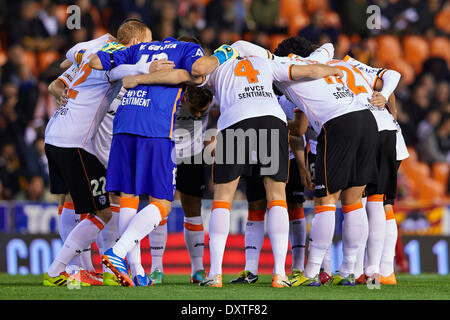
(150, 110)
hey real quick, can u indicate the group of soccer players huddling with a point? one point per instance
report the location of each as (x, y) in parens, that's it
(132, 122)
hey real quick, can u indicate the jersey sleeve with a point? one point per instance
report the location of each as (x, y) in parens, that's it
(247, 49)
(75, 54)
(111, 59)
(322, 54)
(281, 70)
(370, 73)
(67, 76)
(192, 53)
(124, 70)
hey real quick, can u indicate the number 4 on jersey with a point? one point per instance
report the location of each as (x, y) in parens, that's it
(244, 68)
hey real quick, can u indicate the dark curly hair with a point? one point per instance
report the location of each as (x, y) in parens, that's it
(296, 45)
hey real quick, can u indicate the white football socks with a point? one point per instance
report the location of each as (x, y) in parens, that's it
(67, 221)
(158, 240)
(320, 238)
(128, 210)
(110, 234)
(254, 238)
(79, 239)
(326, 262)
(278, 232)
(144, 222)
(354, 236)
(219, 227)
(194, 236)
(390, 241)
(297, 237)
(377, 231)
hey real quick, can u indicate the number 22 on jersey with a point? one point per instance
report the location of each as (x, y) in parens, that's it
(351, 83)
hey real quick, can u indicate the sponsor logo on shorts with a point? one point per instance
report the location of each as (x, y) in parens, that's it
(321, 186)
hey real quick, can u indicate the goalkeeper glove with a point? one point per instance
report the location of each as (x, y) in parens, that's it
(224, 53)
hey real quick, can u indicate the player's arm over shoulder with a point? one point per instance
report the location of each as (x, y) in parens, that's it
(112, 57)
(167, 77)
(285, 71)
(207, 64)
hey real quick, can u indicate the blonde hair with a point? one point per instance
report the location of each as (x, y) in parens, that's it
(130, 29)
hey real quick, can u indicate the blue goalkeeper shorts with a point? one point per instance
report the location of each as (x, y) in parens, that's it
(142, 166)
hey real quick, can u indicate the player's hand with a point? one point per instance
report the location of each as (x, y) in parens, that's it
(62, 100)
(225, 53)
(162, 64)
(378, 100)
(333, 71)
(322, 70)
(306, 179)
(129, 82)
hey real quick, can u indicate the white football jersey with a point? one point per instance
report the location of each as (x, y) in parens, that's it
(68, 75)
(189, 132)
(385, 120)
(400, 147)
(90, 93)
(289, 110)
(243, 88)
(245, 48)
(321, 99)
(104, 134)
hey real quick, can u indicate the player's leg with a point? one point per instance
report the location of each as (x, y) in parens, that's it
(275, 170)
(154, 175)
(387, 275)
(360, 277)
(61, 199)
(254, 237)
(83, 261)
(326, 270)
(191, 185)
(354, 229)
(108, 237)
(377, 230)
(254, 228)
(277, 228)
(320, 238)
(194, 234)
(129, 205)
(297, 236)
(328, 187)
(158, 240)
(81, 171)
(297, 223)
(387, 176)
(362, 157)
(219, 227)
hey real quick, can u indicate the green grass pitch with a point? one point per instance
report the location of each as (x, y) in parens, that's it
(177, 287)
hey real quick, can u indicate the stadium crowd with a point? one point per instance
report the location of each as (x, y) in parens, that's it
(34, 38)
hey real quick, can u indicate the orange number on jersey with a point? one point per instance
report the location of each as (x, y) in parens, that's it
(245, 69)
(350, 80)
(86, 70)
